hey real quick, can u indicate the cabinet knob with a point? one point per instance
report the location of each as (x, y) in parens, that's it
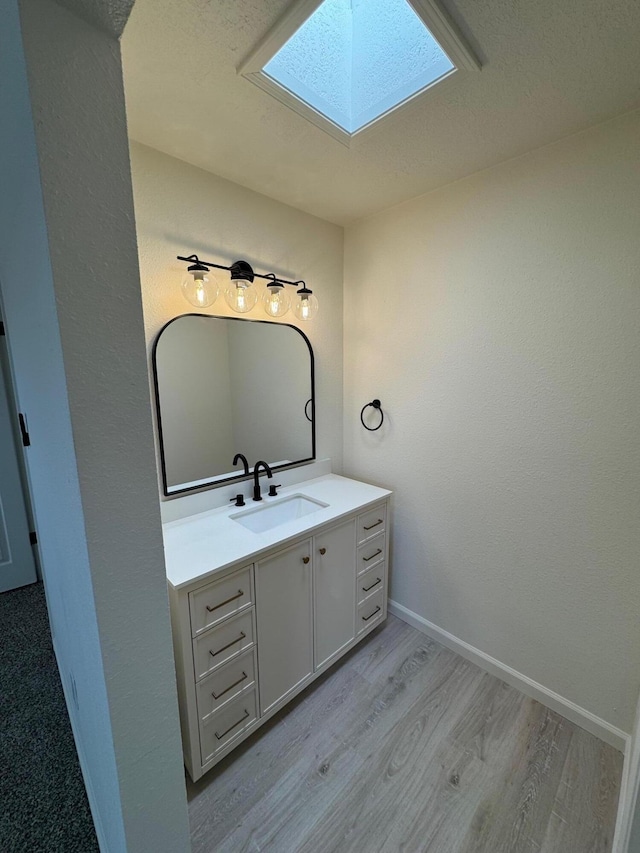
(305, 560)
(323, 551)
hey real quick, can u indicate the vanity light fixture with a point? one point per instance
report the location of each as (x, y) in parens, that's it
(240, 294)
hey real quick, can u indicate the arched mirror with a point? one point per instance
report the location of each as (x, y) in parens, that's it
(226, 385)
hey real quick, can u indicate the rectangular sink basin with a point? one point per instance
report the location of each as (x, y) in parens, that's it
(271, 515)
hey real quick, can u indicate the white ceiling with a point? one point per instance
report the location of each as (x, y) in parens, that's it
(550, 68)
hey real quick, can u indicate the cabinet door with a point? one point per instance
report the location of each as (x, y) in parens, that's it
(284, 610)
(334, 568)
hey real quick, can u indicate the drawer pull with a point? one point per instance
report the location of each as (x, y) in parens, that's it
(367, 588)
(371, 615)
(231, 686)
(366, 559)
(228, 646)
(222, 603)
(371, 526)
(305, 560)
(323, 551)
(241, 720)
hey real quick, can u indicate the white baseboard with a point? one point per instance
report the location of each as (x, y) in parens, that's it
(580, 716)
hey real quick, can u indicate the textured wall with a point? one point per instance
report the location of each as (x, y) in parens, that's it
(181, 209)
(497, 319)
(77, 346)
(36, 353)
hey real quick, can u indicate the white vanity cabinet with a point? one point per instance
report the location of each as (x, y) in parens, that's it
(307, 613)
(252, 633)
(285, 637)
(334, 570)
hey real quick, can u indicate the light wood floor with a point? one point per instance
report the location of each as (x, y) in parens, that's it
(405, 746)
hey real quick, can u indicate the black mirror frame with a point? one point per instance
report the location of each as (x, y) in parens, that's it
(214, 484)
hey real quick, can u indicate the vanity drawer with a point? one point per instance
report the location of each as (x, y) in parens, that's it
(225, 683)
(227, 724)
(371, 523)
(371, 611)
(370, 582)
(220, 599)
(371, 553)
(225, 641)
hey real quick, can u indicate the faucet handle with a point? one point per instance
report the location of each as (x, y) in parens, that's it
(239, 500)
(272, 490)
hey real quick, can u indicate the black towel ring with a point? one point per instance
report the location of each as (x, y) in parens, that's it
(376, 405)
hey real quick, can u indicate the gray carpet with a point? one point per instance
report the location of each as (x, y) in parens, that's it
(43, 804)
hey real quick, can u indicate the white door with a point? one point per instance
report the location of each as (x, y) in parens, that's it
(334, 576)
(285, 623)
(17, 565)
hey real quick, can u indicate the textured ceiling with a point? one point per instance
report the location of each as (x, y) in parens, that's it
(550, 69)
(108, 15)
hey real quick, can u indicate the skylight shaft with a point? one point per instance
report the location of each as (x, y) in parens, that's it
(355, 61)
(347, 64)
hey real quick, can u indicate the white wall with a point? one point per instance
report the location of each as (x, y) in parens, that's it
(497, 319)
(68, 271)
(181, 210)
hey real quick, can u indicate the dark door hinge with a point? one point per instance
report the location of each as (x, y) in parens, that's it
(2, 329)
(33, 537)
(26, 441)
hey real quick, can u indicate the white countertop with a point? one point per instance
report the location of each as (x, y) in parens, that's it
(202, 544)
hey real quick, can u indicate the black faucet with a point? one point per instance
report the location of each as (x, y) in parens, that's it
(256, 478)
(236, 459)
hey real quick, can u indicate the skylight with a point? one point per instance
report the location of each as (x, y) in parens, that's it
(354, 60)
(345, 65)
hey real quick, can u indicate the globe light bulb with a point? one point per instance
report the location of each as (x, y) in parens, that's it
(201, 293)
(199, 289)
(276, 300)
(240, 295)
(306, 306)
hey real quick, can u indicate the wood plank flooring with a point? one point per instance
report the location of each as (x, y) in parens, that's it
(405, 747)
